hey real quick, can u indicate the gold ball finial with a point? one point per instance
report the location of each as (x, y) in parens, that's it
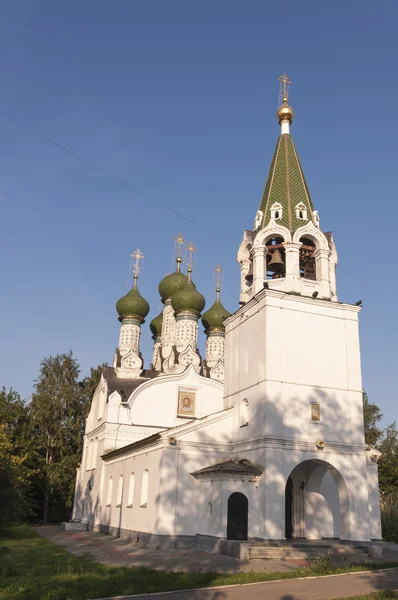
(285, 112)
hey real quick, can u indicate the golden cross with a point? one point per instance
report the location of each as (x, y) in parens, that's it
(218, 272)
(179, 238)
(285, 82)
(191, 249)
(138, 256)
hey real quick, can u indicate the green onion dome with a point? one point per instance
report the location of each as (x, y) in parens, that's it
(132, 304)
(156, 325)
(172, 283)
(188, 298)
(214, 317)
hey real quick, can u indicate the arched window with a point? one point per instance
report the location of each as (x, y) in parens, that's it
(301, 212)
(276, 211)
(130, 497)
(109, 494)
(119, 491)
(244, 413)
(144, 488)
(94, 454)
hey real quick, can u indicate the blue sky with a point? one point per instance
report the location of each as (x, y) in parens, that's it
(178, 98)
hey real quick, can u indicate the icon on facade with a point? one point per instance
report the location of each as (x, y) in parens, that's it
(186, 404)
(315, 412)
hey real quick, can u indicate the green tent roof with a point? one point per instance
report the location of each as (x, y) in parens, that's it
(286, 185)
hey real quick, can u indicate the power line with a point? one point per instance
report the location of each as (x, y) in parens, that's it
(107, 173)
(130, 187)
(384, 324)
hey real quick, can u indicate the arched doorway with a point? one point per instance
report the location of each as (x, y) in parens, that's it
(238, 512)
(316, 502)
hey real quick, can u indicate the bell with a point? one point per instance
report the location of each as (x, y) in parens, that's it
(249, 275)
(276, 264)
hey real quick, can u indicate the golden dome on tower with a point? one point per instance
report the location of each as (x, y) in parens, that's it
(285, 112)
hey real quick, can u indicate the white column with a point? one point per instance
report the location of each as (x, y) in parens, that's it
(129, 348)
(155, 356)
(374, 500)
(168, 334)
(187, 331)
(322, 259)
(215, 347)
(244, 269)
(258, 269)
(292, 267)
(130, 334)
(333, 287)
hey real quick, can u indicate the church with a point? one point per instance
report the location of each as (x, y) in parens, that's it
(263, 437)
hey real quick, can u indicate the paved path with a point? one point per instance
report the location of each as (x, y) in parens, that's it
(120, 552)
(321, 588)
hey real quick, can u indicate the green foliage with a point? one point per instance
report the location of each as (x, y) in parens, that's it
(14, 478)
(58, 410)
(388, 462)
(45, 439)
(39, 570)
(371, 417)
(389, 516)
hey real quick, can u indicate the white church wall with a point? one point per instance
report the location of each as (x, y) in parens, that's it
(284, 353)
(138, 516)
(156, 402)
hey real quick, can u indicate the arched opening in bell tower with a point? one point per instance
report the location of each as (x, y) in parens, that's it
(307, 260)
(275, 258)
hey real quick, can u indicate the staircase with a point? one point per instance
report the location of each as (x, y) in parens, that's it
(342, 553)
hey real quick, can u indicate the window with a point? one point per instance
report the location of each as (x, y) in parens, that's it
(144, 488)
(109, 494)
(301, 212)
(130, 497)
(119, 491)
(276, 211)
(210, 508)
(315, 412)
(244, 413)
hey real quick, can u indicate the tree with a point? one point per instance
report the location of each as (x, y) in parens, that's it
(57, 418)
(371, 417)
(388, 462)
(14, 478)
(14, 415)
(58, 410)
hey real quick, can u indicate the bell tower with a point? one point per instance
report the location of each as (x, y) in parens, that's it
(293, 369)
(286, 250)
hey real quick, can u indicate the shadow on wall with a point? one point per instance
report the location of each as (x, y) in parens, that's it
(326, 478)
(321, 492)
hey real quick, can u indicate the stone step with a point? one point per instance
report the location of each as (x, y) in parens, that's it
(344, 553)
(74, 526)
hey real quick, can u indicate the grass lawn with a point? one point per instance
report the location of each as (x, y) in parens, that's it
(32, 568)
